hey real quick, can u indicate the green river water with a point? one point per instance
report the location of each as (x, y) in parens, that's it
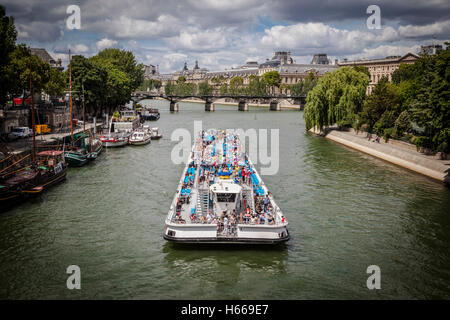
(346, 211)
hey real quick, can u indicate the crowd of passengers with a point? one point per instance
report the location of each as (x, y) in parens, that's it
(241, 174)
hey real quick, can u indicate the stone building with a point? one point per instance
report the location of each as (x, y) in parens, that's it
(290, 71)
(379, 68)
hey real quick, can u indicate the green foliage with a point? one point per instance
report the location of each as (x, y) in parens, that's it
(150, 83)
(256, 86)
(384, 98)
(336, 99)
(181, 79)
(236, 85)
(205, 89)
(403, 123)
(57, 83)
(184, 89)
(272, 79)
(362, 69)
(8, 35)
(223, 89)
(124, 61)
(93, 77)
(18, 71)
(417, 101)
(304, 86)
(169, 89)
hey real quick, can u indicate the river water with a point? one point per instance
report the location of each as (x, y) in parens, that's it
(346, 211)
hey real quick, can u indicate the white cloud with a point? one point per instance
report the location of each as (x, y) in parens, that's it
(127, 27)
(78, 48)
(194, 39)
(105, 43)
(436, 28)
(318, 36)
(385, 51)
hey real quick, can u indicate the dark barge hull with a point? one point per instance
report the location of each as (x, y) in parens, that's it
(13, 198)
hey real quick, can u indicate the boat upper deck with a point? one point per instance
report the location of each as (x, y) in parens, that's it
(221, 186)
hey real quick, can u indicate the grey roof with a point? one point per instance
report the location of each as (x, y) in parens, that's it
(232, 73)
(43, 54)
(306, 68)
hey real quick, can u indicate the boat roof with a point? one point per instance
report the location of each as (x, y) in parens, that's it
(226, 186)
(50, 153)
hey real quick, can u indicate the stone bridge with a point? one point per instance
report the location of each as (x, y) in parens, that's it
(241, 100)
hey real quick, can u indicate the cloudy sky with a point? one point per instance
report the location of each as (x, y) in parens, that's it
(222, 34)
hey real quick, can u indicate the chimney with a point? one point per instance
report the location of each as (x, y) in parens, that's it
(345, 59)
(335, 62)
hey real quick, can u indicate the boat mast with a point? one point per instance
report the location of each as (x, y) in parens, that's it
(70, 97)
(32, 111)
(84, 109)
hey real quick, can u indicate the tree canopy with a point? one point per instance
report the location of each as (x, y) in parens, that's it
(336, 99)
(272, 79)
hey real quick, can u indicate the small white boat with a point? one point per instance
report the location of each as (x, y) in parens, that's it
(114, 140)
(156, 134)
(139, 138)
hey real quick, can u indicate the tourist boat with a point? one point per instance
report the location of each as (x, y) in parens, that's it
(140, 137)
(221, 198)
(114, 140)
(155, 134)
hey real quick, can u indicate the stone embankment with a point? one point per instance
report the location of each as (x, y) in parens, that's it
(394, 151)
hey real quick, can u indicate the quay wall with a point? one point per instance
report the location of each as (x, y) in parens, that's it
(394, 152)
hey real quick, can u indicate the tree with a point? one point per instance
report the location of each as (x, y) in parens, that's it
(56, 84)
(151, 84)
(93, 77)
(169, 89)
(384, 100)
(18, 71)
(204, 89)
(223, 89)
(236, 85)
(272, 79)
(297, 88)
(8, 36)
(431, 107)
(362, 69)
(309, 83)
(336, 99)
(256, 86)
(124, 61)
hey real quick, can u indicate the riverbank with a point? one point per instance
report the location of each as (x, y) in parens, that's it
(396, 152)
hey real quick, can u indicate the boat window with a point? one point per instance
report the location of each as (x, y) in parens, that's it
(226, 197)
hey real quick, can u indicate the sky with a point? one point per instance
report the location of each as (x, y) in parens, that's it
(222, 34)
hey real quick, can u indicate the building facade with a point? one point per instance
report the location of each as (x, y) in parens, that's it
(289, 70)
(379, 68)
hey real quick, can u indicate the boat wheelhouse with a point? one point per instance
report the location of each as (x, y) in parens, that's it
(221, 198)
